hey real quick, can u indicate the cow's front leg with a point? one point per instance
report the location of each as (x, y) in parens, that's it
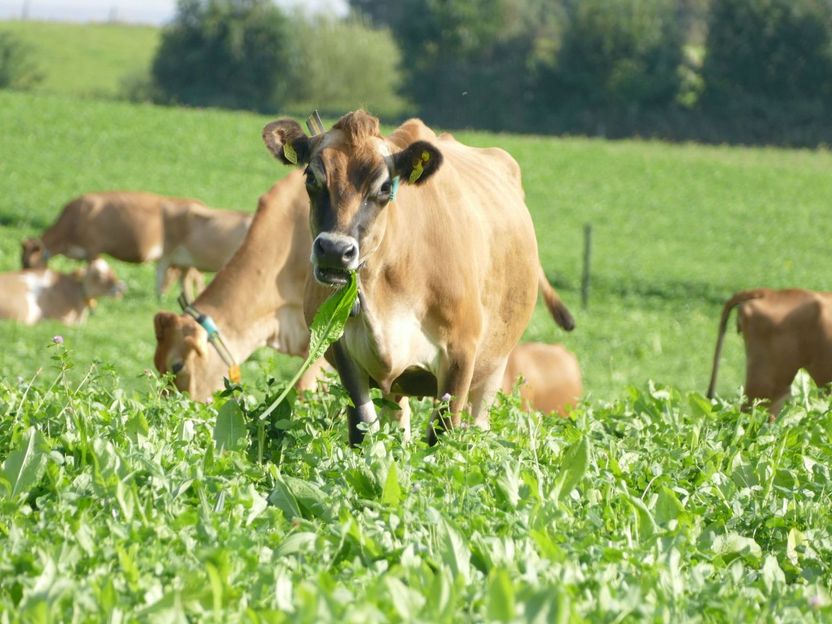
(357, 384)
(454, 384)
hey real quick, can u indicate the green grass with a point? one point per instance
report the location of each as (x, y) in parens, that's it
(677, 229)
(652, 504)
(87, 59)
(658, 507)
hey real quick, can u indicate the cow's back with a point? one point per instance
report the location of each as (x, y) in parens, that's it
(125, 225)
(552, 377)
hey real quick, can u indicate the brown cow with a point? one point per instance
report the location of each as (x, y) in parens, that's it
(551, 377)
(256, 299)
(32, 295)
(141, 227)
(447, 264)
(784, 331)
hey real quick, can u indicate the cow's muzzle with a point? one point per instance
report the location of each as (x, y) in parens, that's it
(334, 257)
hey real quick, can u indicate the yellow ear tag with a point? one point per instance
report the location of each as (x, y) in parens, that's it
(419, 167)
(290, 154)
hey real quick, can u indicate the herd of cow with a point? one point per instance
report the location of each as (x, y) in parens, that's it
(448, 271)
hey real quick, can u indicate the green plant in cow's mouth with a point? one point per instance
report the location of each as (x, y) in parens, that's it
(326, 328)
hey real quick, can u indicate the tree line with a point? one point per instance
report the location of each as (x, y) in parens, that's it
(749, 71)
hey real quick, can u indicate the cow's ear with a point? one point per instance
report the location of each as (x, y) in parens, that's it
(197, 344)
(417, 162)
(162, 322)
(287, 141)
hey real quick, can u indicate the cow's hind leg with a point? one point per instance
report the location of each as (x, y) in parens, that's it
(771, 387)
(482, 397)
(453, 384)
(357, 385)
(401, 415)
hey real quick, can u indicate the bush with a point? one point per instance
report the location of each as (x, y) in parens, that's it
(764, 55)
(17, 69)
(225, 53)
(617, 58)
(466, 63)
(343, 65)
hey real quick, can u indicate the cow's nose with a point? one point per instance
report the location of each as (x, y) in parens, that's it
(336, 251)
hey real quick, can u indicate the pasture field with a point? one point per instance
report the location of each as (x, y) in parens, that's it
(652, 503)
(677, 229)
(657, 507)
(87, 60)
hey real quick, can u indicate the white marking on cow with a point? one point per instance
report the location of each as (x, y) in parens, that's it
(36, 283)
(154, 253)
(76, 252)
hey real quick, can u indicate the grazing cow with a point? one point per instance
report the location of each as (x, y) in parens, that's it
(551, 377)
(141, 227)
(445, 252)
(255, 300)
(31, 295)
(784, 331)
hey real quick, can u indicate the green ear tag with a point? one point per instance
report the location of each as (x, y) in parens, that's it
(290, 154)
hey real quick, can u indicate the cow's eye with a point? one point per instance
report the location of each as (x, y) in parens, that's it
(311, 180)
(384, 192)
(177, 367)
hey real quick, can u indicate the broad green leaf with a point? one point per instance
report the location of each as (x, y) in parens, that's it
(451, 547)
(406, 601)
(500, 596)
(327, 327)
(668, 506)
(295, 543)
(230, 429)
(773, 575)
(24, 467)
(733, 545)
(312, 500)
(573, 467)
(284, 499)
(328, 323)
(646, 524)
(392, 492)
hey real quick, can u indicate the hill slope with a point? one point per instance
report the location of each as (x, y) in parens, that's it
(87, 59)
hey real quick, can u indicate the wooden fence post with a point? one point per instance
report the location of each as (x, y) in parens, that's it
(587, 263)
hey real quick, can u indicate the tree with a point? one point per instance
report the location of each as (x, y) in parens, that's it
(769, 54)
(618, 58)
(225, 53)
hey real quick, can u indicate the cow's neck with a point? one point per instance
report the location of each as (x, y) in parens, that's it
(256, 300)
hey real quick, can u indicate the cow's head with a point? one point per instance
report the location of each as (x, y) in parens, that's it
(182, 349)
(352, 174)
(33, 254)
(101, 281)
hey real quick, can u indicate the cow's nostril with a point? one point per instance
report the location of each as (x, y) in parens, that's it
(350, 253)
(318, 247)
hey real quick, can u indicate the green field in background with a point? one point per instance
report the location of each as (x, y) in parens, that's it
(676, 229)
(86, 59)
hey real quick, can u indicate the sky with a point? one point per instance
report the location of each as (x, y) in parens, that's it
(132, 11)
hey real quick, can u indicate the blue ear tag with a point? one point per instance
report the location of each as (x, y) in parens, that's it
(394, 188)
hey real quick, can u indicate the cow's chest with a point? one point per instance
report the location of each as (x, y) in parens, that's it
(387, 346)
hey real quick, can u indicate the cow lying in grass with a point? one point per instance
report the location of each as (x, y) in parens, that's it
(551, 377)
(784, 331)
(445, 252)
(32, 295)
(141, 227)
(255, 300)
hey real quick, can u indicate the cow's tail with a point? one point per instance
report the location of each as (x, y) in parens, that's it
(557, 308)
(734, 301)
